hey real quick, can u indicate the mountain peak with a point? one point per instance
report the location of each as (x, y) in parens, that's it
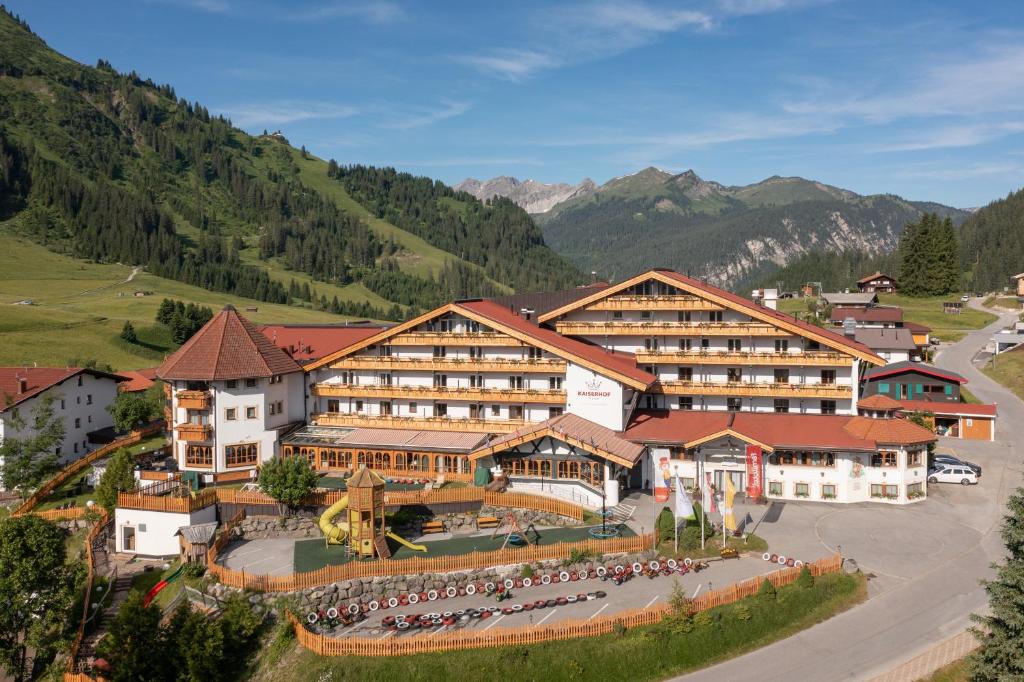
(533, 196)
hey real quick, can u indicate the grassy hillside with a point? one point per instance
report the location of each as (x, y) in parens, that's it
(80, 307)
(928, 311)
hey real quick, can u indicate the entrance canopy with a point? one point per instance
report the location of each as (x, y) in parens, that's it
(574, 431)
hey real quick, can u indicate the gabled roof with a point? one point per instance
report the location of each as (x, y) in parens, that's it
(544, 301)
(917, 328)
(873, 314)
(865, 280)
(889, 431)
(39, 379)
(365, 478)
(843, 298)
(919, 367)
(880, 338)
(732, 301)
(878, 402)
(306, 342)
(948, 408)
(199, 534)
(574, 430)
(227, 347)
(619, 366)
(138, 380)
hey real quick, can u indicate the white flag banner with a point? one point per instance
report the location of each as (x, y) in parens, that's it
(684, 508)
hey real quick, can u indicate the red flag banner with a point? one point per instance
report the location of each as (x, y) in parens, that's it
(755, 478)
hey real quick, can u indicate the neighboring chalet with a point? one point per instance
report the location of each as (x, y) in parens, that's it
(879, 283)
(1018, 282)
(848, 300)
(895, 345)
(913, 381)
(887, 317)
(139, 380)
(233, 394)
(80, 398)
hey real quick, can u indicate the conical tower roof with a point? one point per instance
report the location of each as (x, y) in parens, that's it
(227, 347)
(365, 478)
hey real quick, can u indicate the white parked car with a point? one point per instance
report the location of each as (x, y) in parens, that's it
(963, 475)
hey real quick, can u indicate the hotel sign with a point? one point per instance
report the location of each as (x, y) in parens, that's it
(593, 391)
(755, 478)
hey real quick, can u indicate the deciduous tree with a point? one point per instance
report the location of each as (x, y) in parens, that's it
(287, 479)
(31, 458)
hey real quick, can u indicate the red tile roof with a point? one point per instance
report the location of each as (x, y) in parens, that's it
(873, 314)
(306, 342)
(227, 347)
(622, 363)
(787, 431)
(878, 402)
(138, 380)
(916, 328)
(37, 380)
(948, 408)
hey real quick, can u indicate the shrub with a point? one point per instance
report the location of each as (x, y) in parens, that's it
(526, 571)
(618, 629)
(194, 569)
(287, 479)
(766, 591)
(578, 556)
(742, 612)
(677, 599)
(703, 619)
(805, 580)
(665, 525)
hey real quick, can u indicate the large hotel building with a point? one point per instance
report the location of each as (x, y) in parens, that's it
(579, 394)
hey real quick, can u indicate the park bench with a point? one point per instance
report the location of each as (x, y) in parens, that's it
(487, 522)
(432, 527)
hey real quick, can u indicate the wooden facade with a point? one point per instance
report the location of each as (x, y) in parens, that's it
(387, 461)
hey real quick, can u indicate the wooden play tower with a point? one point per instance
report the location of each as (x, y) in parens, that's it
(366, 514)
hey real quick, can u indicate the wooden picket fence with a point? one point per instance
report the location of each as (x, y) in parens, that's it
(518, 636)
(389, 567)
(80, 464)
(64, 514)
(90, 575)
(141, 500)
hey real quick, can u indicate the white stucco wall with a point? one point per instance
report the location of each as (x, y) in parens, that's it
(595, 397)
(158, 538)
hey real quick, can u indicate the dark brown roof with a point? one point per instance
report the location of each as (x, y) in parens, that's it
(873, 314)
(227, 347)
(545, 301)
(885, 339)
(877, 275)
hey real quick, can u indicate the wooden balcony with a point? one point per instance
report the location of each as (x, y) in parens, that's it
(616, 303)
(193, 433)
(613, 328)
(194, 400)
(440, 393)
(449, 364)
(421, 423)
(808, 359)
(454, 339)
(754, 389)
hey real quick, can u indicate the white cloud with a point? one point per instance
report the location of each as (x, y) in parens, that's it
(283, 112)
(471, 161)
(212, 6)
(374, 12)
(511, 65)
(424, 116)
(961, 172)
(947, 137)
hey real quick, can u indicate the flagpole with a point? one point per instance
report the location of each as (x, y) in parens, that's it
(703, 497)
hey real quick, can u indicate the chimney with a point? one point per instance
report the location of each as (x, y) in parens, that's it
(850, 327)
(770, 298)
(527, 313)
(22, 385)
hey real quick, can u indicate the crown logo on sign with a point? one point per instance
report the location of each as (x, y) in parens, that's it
(593, 384)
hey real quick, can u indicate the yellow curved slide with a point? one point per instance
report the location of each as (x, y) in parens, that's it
(334, 532)
(402, 541)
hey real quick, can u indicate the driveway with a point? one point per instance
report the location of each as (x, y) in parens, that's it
(927, 558)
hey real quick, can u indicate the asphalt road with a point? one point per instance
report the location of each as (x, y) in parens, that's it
(922, 597)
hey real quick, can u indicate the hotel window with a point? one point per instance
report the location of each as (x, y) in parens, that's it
(231, 383)
(515, 412)
(476, 411)
(199, 456)
(385, 407)
(384, 379)
(79, 379)
(781, 345)
(445, 325)
(884, 458)
(473, 327)
(384, 351)
(515, 382)
(280, 407)
(76, 447)
(914, 458)
(250, 383)
(555, 412)
(684, 316)
(801, 490)
(617, 315)
(272, 409)
(476, 380)
(651, 343)
(686, 403)
(705, 344)
(828, 376)
(715, 316)
(413, 409)
(686, 374)
(62, 403)
(276, 379)
(812, 345)
(734, 374)
(88, 399)
(735, 345)
(333, 405)
(476, 352)
(828, 407)
(240, 455)
(775, 488)
(782, 405)
(555, 383)
(495, 410)
(915, 490)
(440, 351)
(440, 380)
(782, 376)
(734, 404)
(685, 344)
(645, 314)
(889, 491)
(250, 413)
(534, 353)
(828, 491)
(359, 406)
(650, 402)
(348, 377)
(688, 483)
(440, 410)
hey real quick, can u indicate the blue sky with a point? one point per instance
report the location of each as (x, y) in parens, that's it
(921, 99)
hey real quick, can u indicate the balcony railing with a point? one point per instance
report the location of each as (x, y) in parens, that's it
(192, 433)
(194, 400)
(395, 363)
(519, 395)
(453, 339)
(421, 423)
(654, 303)
(750, 388)
(675, 357)
(623, 328)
